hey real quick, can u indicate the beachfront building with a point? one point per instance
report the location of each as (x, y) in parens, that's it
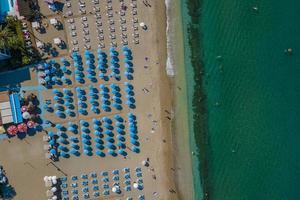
(8, 7)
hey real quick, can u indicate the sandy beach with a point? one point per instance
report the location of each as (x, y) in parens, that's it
(24, 159)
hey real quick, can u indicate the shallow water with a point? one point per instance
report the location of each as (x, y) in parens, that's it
(253, 94)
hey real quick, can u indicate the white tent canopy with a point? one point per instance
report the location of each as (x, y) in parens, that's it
(35, 24)
(53, 21)
(57, 41)
(39, 44)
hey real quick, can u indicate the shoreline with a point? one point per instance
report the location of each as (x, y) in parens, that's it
(188, 175)
(197, 116)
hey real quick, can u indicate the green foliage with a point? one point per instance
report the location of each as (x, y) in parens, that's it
(26, 60)
(11, 34)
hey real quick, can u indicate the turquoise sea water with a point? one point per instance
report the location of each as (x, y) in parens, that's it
(251, 95)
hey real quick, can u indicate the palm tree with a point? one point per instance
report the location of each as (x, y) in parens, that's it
(8, 39)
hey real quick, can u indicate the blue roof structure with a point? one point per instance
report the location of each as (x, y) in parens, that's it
(15, 108)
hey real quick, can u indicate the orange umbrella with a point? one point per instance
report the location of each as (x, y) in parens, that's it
(24, 109)
(12, 130)
(22, 127)
(30, 124)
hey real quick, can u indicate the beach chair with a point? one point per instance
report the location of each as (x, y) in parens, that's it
(73, 34)
(63, 179)
(74, 192)
(105, 192)
(64, 185)
(95, 188)
(74, 185)
(127, 182)
(141, 197)
(84, 176)
(75, 198)
(85, 183)
(105, 186)
(127, 176)
(116, 178)
(68, 5)
(140, 181)
(85, 190)
(94, 181)
(96, 194)
(65, 192)
(126, 170)
(127, 188)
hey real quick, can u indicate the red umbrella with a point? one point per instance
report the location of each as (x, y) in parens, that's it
(12, 130)
(24, 109)
(30, 124)
(22, 127)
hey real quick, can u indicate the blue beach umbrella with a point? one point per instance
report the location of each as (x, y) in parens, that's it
(98, 140)
(107, 120)
(135, 149)
(61, 140)
(127, 53)
(86, 141)
(108, 133)
(84, 123)
(108, 126)
(99, 146)
(75, 146)
(111, 146)
(96, 121)
(63, 148)
(131, 115)
(87, 147)
(120, 125)
(118, 118)
(86, 136)
(117, 106)
(71, 124)
(100, 153)
(106, 108)
(117, 99)
(96, 126)
(87, 153)
(111, 152)
(85, 130)
(130, 70)
(75, 152)
(82, 104)
(74, 139)
(120, 131)
(52, 142)
(129, 57)
(53, 151)
(110, 139)
(121, 138)
(125, 48)
(122, 152)
(59, 126)
(97, 133)
(134, 142)
(51, 134)
(117, 94)
(134, 136)
(128, 85)
(121, 145)
(95, 110)
(64, 154)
